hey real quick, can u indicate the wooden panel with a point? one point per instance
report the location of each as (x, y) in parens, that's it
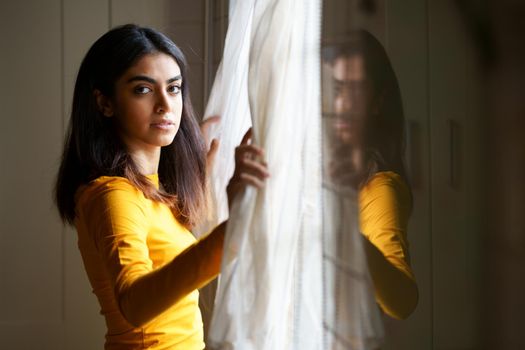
(187, 30)
(31, 235)
(407, 46)
(146, 13)
(455, 243)
(376, 22)
(84, 22)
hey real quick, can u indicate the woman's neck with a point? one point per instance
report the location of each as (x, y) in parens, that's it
(147, 161)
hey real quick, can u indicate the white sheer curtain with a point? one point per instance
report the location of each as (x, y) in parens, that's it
(284, 282)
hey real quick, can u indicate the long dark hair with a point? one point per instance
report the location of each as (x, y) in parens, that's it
(92, 147)
(383, 133)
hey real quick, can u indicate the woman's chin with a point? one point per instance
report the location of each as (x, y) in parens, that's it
(165, 141)
(346, 137)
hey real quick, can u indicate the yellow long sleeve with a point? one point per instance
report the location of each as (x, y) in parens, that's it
(384, 210)
(143, 265)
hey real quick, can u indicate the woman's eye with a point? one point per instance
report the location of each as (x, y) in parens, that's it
(174, 89)
(142, 90)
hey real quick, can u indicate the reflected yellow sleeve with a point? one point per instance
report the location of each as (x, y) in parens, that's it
(384, 210)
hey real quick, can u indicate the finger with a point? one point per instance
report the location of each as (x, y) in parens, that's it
(247, 137)
(206, 124)
(248, 150)
(251, 180)
(254, 168)
(210, 157)
(214, 146)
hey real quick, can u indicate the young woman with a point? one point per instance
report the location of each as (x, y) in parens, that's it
(367, 125)
(133, 180)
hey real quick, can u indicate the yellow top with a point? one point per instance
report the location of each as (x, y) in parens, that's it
(145, 267)
(384, 209)
(127, 241)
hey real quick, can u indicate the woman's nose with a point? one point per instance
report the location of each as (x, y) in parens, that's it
(163, 104)
(344, 104)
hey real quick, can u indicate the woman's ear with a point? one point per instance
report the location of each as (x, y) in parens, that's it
(103, 103)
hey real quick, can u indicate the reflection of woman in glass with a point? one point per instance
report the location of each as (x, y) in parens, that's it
(367, 147)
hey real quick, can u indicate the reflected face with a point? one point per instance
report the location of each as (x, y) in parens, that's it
(352, 100)
(147, 104)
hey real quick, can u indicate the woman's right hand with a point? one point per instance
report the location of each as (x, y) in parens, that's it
(250, 169)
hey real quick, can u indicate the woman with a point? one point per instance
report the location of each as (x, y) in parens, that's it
(133, 180)
(367, 154)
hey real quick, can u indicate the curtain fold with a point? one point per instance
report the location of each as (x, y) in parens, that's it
(280, 286)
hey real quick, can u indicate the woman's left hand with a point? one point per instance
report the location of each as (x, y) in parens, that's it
(214, 144)
(250, 169)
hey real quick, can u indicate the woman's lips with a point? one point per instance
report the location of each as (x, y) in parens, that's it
(344, 129)
(164, 125)
(341, 125)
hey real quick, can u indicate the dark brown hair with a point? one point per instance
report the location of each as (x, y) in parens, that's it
(92, 147)
(383, 134)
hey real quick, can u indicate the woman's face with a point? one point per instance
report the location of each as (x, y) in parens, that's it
(352, 99)
(147, 104)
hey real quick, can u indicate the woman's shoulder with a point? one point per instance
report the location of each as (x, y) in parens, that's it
(106, 183)
(386, 178)
(385, 203)
(385, 184)
(105, 186)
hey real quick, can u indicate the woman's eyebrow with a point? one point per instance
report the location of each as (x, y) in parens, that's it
(178, 77)
(151, 80)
